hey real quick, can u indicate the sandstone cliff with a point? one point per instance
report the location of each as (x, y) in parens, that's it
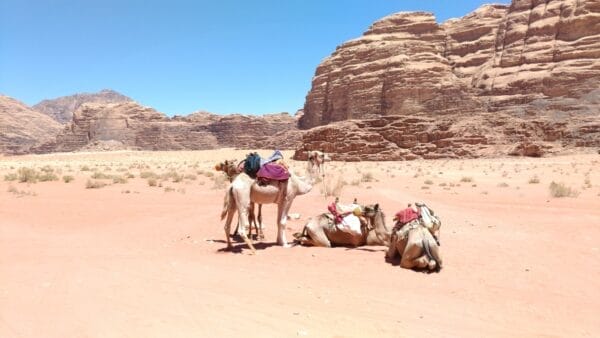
(131, 126)
(61, 109)
(504, 70)
(21, 127)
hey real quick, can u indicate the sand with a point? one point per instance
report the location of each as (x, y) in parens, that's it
(131, 260)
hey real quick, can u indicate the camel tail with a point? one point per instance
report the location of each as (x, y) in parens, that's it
(226, 202)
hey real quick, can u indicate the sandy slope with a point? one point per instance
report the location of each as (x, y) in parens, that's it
(78, 262)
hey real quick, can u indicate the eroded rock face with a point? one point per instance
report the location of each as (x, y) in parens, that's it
(21, 127)
(525, 72)
(131, 126)
(61, 109)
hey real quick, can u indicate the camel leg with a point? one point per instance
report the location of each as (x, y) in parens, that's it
(413, 257)
(243, 217)
(251, 219)
(230, 213)
(317, 235)
(261, 234)
(281, 221)
(392, 250)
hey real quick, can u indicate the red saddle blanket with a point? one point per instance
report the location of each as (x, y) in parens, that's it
(406, 215)
(273, 171)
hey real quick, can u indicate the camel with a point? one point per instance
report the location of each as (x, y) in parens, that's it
(244, 190)
(321, 231)
(231, 170)
(316, 162)
(430, 221)
(416, 245)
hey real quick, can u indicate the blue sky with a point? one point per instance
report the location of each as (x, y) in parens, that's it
(222, 56)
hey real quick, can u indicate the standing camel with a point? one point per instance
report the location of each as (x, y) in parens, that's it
(316, 162)
(231, 170)
(244, 190)
(321, 231)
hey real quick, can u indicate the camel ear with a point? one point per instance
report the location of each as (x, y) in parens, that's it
(376, 206)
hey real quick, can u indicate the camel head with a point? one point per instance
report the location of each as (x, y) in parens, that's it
(377, 219)
(317, 157)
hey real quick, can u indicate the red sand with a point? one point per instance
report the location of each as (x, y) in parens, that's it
(78, 262)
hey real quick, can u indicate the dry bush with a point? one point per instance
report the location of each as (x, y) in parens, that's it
(148, 174)
(503, 185)
(68, 178)
(47, 176)
(152, 182)
(85, 168)
(169, 189)
(466, 179)
(190, 177)
(561, 190)
(119, 179)
(534, 180)
(428, 182)
(94, 184)
(10, 177)
(367, 177)
(331, 188)
(20, 193)
(220, 182)
(27, 175)
(100, 176)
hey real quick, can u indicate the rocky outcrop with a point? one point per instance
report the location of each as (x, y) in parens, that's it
(61, 109)
(528, 72)
(131, 126)
(21, 127)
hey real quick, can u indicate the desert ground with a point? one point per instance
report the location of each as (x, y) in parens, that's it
(143, 255)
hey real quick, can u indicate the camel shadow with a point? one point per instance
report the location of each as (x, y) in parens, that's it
(238, 248)
(366, 249)
(396, 262)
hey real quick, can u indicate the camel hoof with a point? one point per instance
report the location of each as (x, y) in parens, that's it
(286, 245)
(432, 265)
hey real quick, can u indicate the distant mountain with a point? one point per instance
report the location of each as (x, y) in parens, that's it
(61, 109)
(22, 127)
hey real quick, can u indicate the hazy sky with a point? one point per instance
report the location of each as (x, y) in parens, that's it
(181, 56)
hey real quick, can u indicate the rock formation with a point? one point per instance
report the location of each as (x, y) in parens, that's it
(21, 127)
(129, 125)
(527, 72)
(61, 109)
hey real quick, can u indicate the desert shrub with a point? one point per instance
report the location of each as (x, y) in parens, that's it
(119, 179)
(47, 176)
(466, 179)
(129, 175)
(10, 177)
(190, 177)
(367, 177)
(100, 176)
(220, 182)
(169, 189)
(148, 174)
(94, 184)
(443, 184)
(503, 185)
(85, 168)
(428, 182)
(333, 188)
(152, 182)
(534, 180)
(68, 178)
(27, 175)
(561, 190)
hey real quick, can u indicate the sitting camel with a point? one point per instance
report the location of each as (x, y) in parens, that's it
(416, 245)
(316, 162)
(231, 170)
(244, 190)
(322, 231)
